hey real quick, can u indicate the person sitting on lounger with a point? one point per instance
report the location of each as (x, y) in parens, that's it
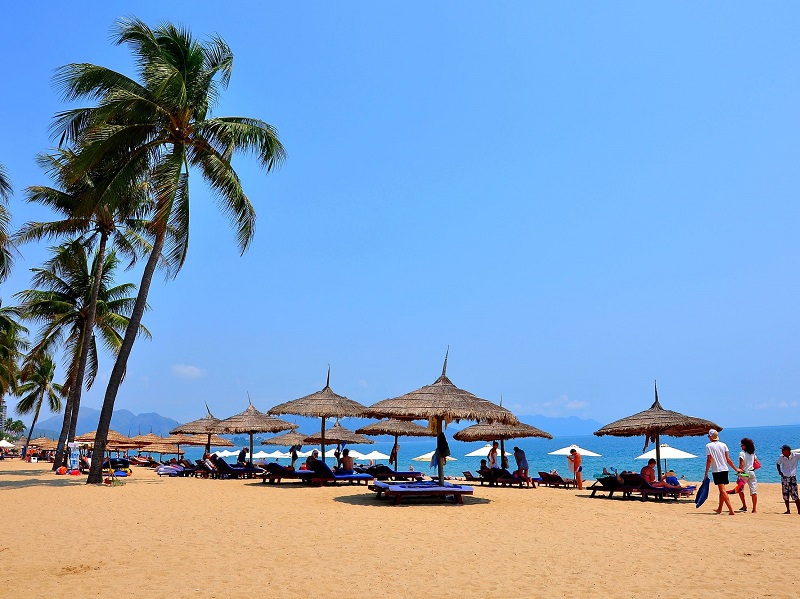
(649, 474)
(346, 463)
(241, 460)
(311, 459)
(484, 470)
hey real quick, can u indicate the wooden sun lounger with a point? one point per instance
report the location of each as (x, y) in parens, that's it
(276, 477)
(356, 477)
(610, 484)
(472, 478)
(420, 489)
(555, 480)
(639, 485)
(522, 483)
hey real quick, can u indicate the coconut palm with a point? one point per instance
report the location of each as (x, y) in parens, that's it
(62, 306)
(6, 257)
(13, 345)
(13, 428)
(37, 385)
(164, 122)
(95, 223)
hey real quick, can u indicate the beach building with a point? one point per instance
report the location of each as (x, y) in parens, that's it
(3, 415)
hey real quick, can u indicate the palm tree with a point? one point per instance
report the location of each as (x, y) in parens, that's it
(163, 123)
(6, 258)
(14, 428)
(93, 222)
(13, 345)
(37, 377)
(63, 306)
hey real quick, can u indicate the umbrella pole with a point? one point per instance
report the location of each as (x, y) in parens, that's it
(397, 455)
(658, 455)
(251, 448)
(208, 444)
(438, 454)
(322, 437)
(502, 452)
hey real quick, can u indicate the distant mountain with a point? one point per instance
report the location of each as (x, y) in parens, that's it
(122, 421)
(128, 423)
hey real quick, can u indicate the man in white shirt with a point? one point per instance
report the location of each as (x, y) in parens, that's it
(787, 468)
(717, 459)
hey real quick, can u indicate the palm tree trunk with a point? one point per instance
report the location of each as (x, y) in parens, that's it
(74, 399)
(121, 364)
(62, 438)
(35, 418)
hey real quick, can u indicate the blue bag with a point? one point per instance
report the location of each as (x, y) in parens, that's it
(702, 493)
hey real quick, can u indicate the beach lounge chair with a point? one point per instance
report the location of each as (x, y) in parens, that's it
(472, 478)
(227, 471)
(611, 484)
(510, 481)
(381, 472)
(638, 484)
(555, 480)
(274, 473)
(424, 489)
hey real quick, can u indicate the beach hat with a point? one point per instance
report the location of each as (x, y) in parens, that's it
(713, 433)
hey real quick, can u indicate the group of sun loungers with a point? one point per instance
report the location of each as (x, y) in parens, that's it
(629, 483)
(504, 480)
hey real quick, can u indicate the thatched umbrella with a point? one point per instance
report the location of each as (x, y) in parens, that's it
(148, 439)
(338, 434)
(441, 401)
(163, 448)
(291, 439)
(496, 431)
(322, 404)
(252, 421)
(203, 426)
(657, 421)
(398, 428)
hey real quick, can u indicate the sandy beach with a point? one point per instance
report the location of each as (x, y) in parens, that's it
(187, 537)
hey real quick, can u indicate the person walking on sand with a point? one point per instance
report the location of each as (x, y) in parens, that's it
(576, 459)
(787, 468)
(747, 464)
(718, 459)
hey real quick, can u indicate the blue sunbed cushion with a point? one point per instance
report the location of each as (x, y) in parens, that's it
(321, 469)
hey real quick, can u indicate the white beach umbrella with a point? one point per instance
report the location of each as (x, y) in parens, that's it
(5, 444)
(568, 450)
(426, 457)
(278, 454)
(226, 453)
(375, 455)
(484, 452)
(260, 455)
(667, 453)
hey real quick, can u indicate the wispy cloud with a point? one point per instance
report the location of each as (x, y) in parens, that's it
(773, 404)
(563, 406)
(186, 371)
(363, 384)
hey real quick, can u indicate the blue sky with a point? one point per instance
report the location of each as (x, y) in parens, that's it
(576, 199)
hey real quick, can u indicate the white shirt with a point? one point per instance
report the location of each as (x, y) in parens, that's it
(747, 460)
(788, 465)
(717, 451)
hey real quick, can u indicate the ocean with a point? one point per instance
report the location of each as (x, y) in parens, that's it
(616, 452)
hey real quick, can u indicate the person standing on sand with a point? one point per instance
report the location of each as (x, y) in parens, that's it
(577, 466)
(717, 459)
(747, 459)
(787, 468)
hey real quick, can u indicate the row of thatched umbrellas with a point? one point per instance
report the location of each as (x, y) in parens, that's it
(437, 403)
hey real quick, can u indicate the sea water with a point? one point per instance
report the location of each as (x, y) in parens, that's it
(616, 452)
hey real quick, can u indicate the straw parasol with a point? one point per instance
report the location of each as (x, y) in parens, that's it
(114, 441)
(291, 439)
(398, 428)
(338, 434)
(657, 421)
(44, 443)
(203, 426)
(497, 431)
(322, 404)
(252, 421)
(438, 402)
